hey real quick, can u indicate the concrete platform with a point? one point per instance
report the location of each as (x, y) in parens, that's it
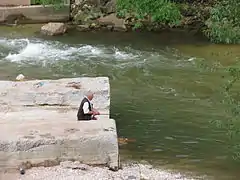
(15, 2)
(92, 142)
(33, 14)
(38, 123)
(19, 96)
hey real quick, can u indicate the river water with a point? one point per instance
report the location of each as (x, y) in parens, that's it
(164, 89)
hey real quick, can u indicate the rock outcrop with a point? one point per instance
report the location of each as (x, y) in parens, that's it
(96, 15)
(112, 20)
(87, 14)
(53, 29)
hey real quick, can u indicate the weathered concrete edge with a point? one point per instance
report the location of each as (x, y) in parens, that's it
(93, 150)
(35, 14)
(18, 93)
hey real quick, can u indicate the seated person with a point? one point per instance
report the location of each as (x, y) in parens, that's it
(86, 111)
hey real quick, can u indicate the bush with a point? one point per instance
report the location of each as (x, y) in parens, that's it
(224, 22)
(231, 100)
(157, 11)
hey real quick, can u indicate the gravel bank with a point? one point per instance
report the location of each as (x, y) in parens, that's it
(77, 171)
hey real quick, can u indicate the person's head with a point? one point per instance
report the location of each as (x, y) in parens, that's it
(89, 95)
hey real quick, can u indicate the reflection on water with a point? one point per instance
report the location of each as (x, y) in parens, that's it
(160, 95)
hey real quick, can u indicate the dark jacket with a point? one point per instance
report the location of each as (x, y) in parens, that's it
(80, 114)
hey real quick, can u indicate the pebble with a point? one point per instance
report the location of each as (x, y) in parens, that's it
(70, 171)
(20, 77)
(22, 171)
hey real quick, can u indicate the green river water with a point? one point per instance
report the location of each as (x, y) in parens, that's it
(164, 89)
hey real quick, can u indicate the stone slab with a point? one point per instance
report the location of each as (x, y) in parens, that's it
(14, 2)
(54, 94)
(34, 14)
(45, 114)
(38, 122)
(90, 142)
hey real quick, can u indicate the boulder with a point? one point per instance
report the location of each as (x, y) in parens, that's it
(53, 29)
(112, 19)
(110, 7)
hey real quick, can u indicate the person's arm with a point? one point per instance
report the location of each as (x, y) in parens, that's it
(96, 111)
(86, 109)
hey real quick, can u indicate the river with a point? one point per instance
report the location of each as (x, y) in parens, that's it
(164, 89)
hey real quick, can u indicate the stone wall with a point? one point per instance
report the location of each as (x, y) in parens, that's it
(33, 14)
(14, 2)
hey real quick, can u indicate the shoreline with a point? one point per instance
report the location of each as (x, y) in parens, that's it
(34, 31)
(76, 170)
(87, 17)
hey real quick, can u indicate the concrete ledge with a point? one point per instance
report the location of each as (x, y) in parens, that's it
(33, 14)
(16, 97)
(15, 2)
(38, 122)
(92, 142)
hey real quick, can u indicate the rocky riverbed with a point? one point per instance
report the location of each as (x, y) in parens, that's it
(74, 170)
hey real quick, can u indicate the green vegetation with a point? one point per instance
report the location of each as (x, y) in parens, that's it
(149, 11)
(223, 26)
(222, 21)
(231, 99)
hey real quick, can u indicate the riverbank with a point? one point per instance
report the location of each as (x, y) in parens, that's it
(108, 15)
(123, 15)
(74, 170)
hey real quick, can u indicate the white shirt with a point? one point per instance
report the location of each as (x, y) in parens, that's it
(85, 106)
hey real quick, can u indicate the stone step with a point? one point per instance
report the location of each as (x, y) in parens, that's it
(43, 113)
(90, 142)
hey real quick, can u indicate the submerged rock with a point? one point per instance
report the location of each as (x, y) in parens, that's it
(52, 29)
